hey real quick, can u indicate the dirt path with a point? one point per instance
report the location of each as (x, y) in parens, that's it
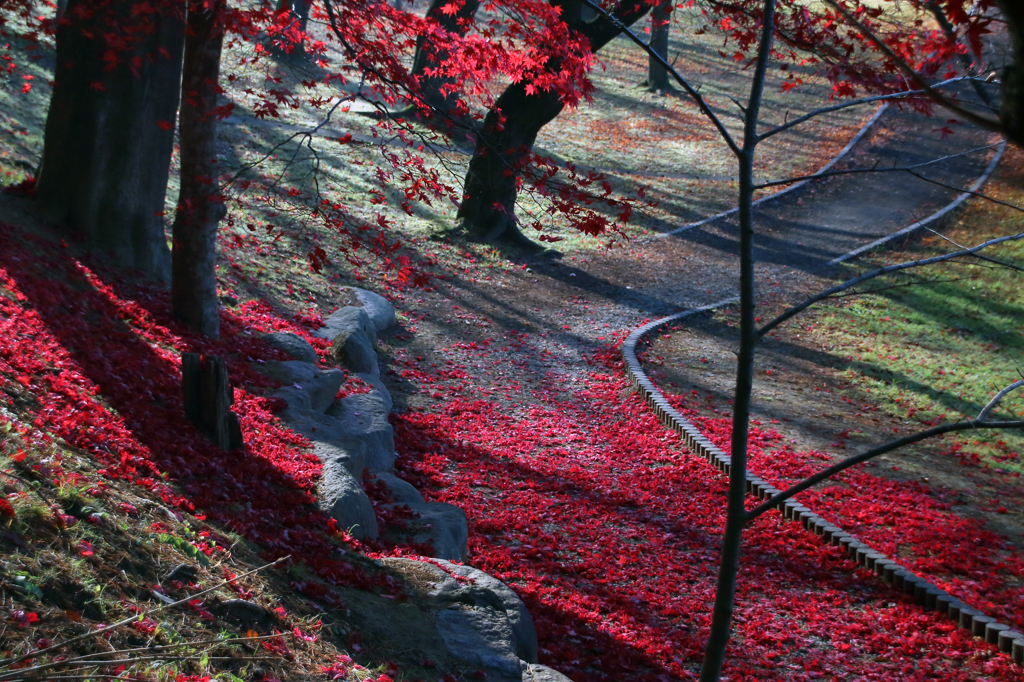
(519, 345)
(568, 304)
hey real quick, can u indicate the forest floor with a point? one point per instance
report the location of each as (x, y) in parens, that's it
(511, 402)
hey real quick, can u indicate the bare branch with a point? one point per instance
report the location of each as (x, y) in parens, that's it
(696, 96)
(876, 169)
(853, 103)
(987, 259)
(888, 269)
(831, 471)
(996, 398)
(914, 76)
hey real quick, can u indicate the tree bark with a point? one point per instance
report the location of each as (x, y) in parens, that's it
(109, 132)
(1012, 114)
(732, 538)
(431, 53)
(487, 211)
(657, 75)
(492, 181)
(200, 205)
(207, 395)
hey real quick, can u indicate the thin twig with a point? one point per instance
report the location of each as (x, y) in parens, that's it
(831, 471)
(876, 169)
(888, 269)
(83, 660)
(9, 662)
(996, 398)
(702, 104)
(983, 257)
(912, 74)
(853, 103)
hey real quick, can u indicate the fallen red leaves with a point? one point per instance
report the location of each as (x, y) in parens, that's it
(610, 532)
(83, 344)
(582, 502)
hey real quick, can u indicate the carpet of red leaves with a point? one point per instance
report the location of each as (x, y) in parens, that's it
(588, 506)
(102, 356)
(583, 502)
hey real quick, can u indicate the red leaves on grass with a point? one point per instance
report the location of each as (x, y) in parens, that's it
(609, 531)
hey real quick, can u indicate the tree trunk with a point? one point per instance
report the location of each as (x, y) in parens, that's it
(299, 10)
(657, 75)
(207, 395)
(732, 538)
(492, 182)
(1012, 114)
(200, 205)
(430, 54)
(110, 132)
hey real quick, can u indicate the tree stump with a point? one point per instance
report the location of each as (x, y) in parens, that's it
(208, 398)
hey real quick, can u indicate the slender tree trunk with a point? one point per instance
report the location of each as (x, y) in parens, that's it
(495, 172)
(657, 75)
(299, 10)
(725, 593)
(110, 132)
(200, 205)
(431, 53)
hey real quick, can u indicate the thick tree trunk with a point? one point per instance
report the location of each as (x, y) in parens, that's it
(431, 53)
(657, 75)
(1012, 114)
(487, 211)
(489, 193)
(110, 133)
(200, 205)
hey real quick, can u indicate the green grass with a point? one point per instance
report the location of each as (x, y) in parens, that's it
(941, 346)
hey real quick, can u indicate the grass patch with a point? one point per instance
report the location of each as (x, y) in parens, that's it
(940, 345)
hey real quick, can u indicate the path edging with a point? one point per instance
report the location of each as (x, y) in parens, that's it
(938, 215)
(796, 185)
(926, 593)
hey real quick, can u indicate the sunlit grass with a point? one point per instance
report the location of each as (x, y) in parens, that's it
(940, 348)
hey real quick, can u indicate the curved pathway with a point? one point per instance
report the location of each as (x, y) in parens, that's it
(860, 213)
(514, 351)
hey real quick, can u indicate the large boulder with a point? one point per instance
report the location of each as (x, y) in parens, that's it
(293, 345)
(399, 491)
(480, 620)
(352, 457)
(541, 673)
(342, 497)
(364, 418)
(441, 525)
(380, 311)
(320, 385)
(366, 444)
(354, 351)
(379, 388)
(484, 590)
(480, 637)
(345, 321)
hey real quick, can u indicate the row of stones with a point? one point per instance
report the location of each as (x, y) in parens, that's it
(929, 595)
